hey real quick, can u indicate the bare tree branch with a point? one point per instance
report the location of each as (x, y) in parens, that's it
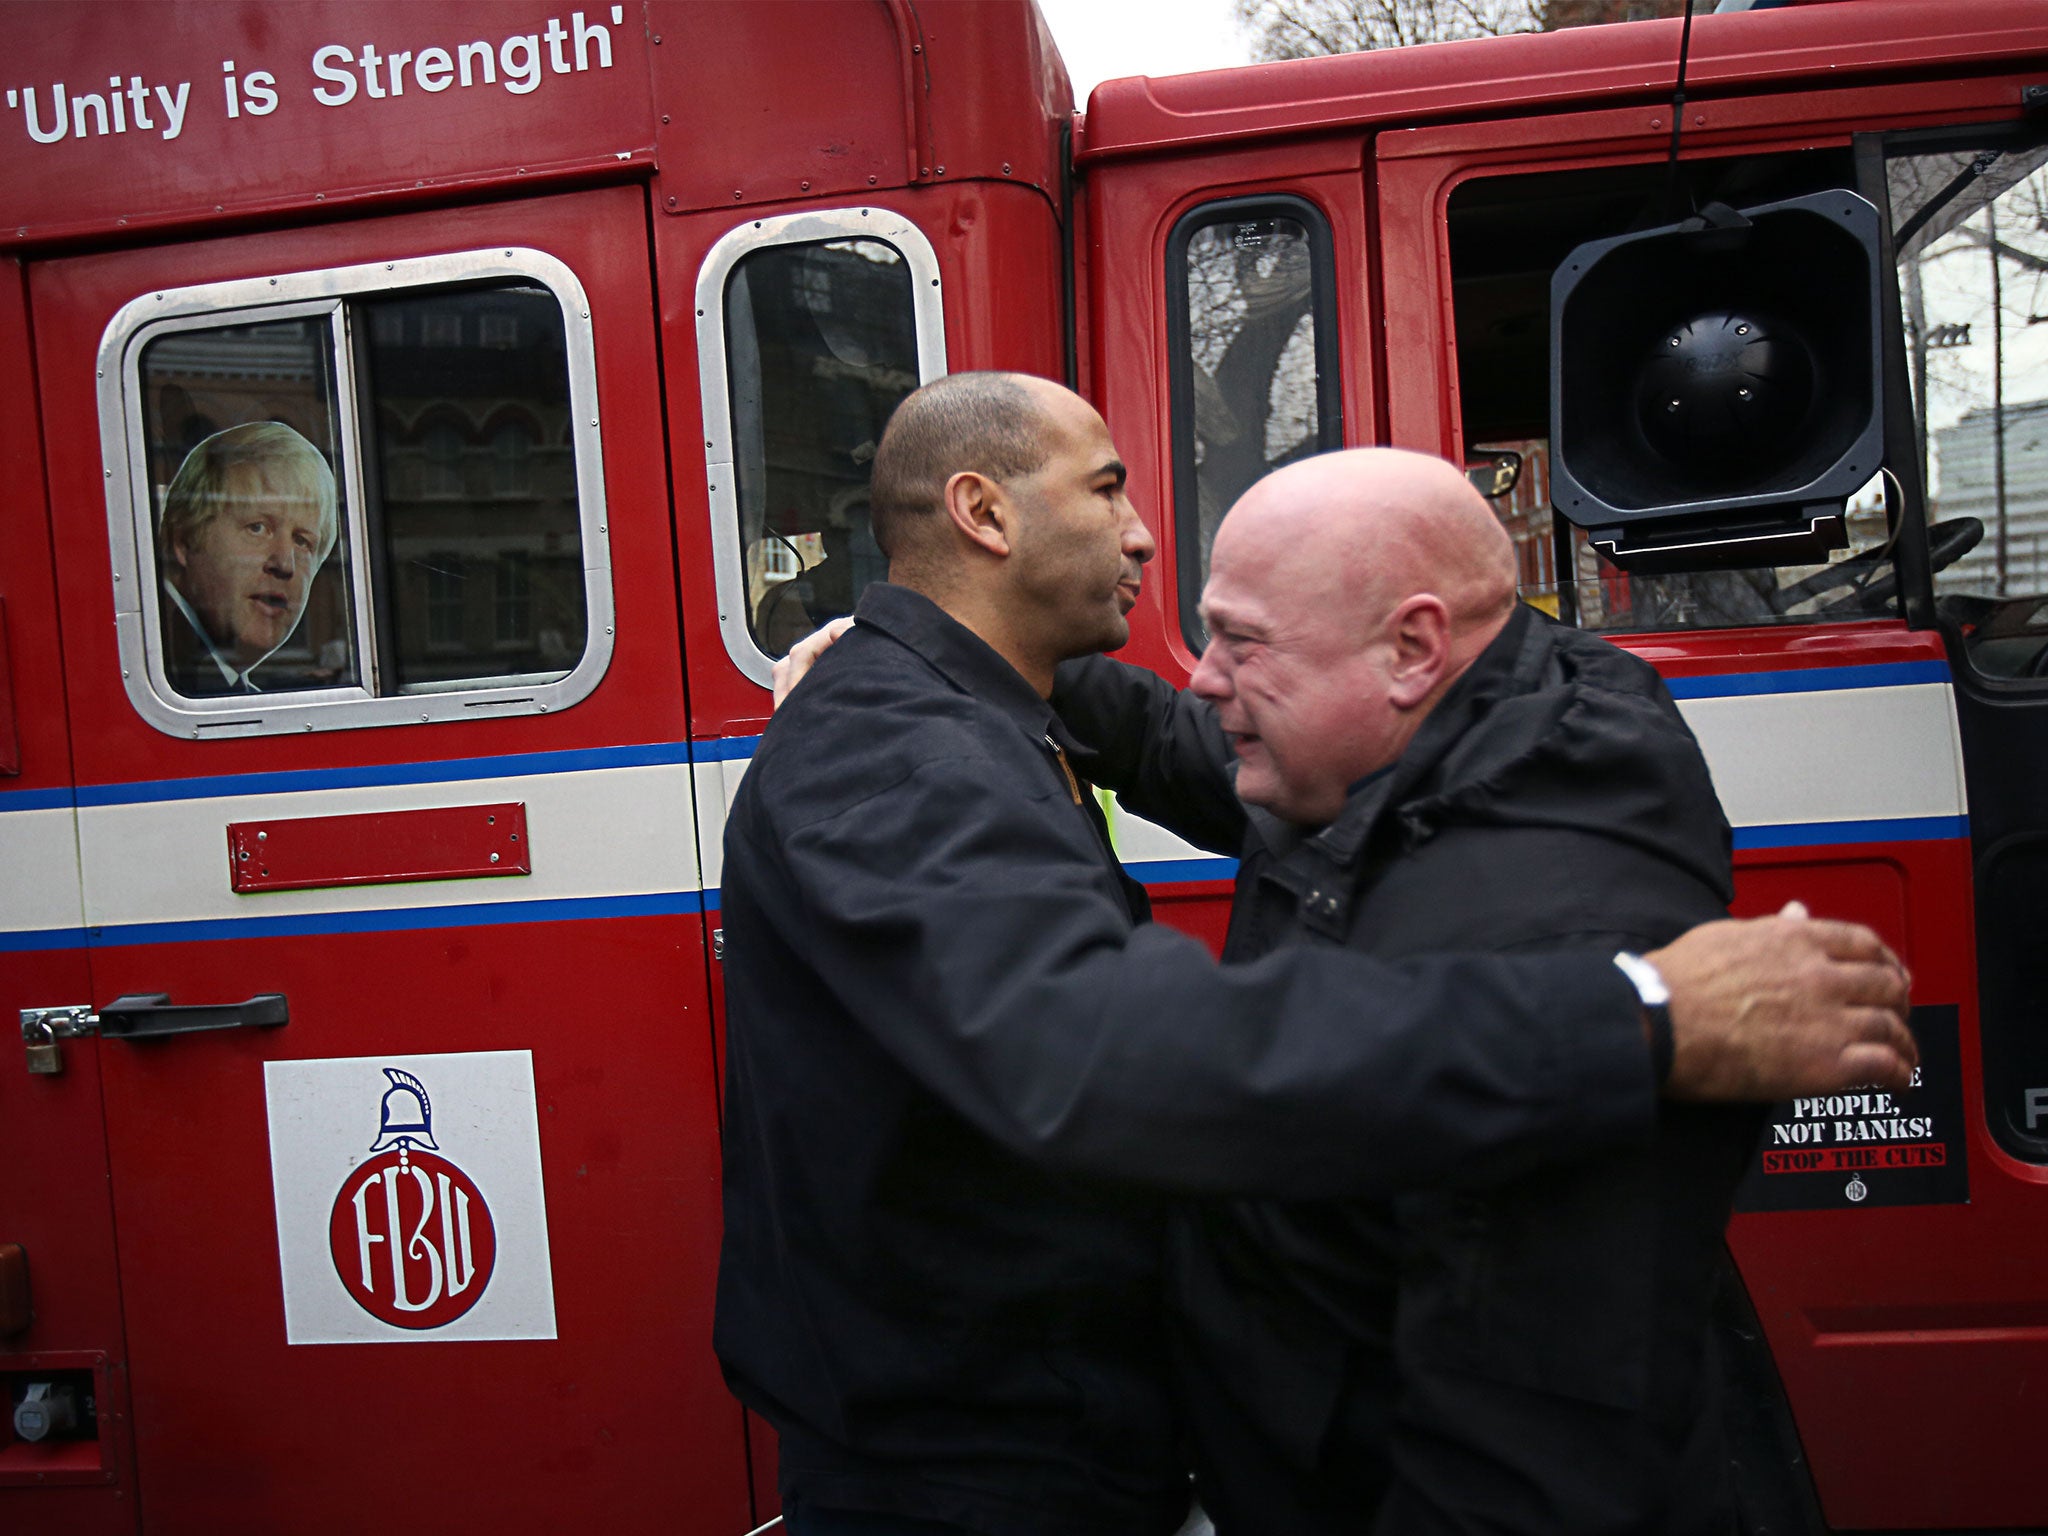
(2012, 253)
(1301, 29)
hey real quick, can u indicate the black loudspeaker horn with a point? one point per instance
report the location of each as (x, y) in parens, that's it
(1714, 384)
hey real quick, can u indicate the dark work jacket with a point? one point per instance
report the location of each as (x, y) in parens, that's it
(1533, 1353)
(189, 666)
(957, 1055)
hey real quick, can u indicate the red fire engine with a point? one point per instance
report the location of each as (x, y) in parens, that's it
(362, 858)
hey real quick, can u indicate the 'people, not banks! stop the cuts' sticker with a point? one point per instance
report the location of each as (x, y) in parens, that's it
(1870, 1147)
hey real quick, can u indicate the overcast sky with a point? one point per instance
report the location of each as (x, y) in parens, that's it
(1106, 39)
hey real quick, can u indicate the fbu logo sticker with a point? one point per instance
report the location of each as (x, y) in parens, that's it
(409, 1200)
(411, 1232)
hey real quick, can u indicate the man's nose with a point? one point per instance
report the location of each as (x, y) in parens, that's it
(280, 559)
(1211, 678)
(1138, 542)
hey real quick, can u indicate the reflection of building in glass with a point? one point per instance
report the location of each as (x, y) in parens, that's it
(473, 487)
(834, 332)
(1965, 474)
(1525, 513)
(823, 347)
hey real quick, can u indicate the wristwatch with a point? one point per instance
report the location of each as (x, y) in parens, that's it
(1656, 1001)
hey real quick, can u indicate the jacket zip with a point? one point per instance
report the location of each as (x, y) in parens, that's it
(1093, 815)
(1060, 756)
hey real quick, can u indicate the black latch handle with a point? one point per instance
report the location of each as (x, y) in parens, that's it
(143, 1014)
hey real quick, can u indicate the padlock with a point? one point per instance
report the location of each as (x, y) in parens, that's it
(39, 1044)
(44, 1031)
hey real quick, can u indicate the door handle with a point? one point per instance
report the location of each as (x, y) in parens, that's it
(139, 1016)
(143, 1014)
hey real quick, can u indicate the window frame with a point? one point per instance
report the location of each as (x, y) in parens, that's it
(1902, 143)
(295, 295)
(883, 226)
(1322, 256)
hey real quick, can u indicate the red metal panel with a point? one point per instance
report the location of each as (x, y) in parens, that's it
(54, 1198)
(1713, 126)
(307, 116)
(1421, 399)
(1785, 647)
(10, 734)
(999, 93)
(1499, 79)
(891, 94)
(847, 129)
(307, 853)
(15, 1311)
(1198, 908)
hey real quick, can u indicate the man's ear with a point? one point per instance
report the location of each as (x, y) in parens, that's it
(981, 511)
(1419, 629)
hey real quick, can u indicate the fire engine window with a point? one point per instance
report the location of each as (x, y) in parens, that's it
(473, 483)
(1507, 237)
(822, 346)
(351, 493)
(1971, 230)
(1254, 379)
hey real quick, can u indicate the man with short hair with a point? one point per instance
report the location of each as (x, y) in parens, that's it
(248, 520)
(962, 1065)
(1429, 767)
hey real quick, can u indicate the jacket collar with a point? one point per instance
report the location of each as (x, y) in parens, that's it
(958, 654)
(1510, 664)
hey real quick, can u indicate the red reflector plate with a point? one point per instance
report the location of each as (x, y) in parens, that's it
(387, 847)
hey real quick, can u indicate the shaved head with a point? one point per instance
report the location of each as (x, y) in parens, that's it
(990, 423)
(1000, 497)
(1346, 594)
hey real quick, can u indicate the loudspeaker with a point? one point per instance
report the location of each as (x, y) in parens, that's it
(1715, 384)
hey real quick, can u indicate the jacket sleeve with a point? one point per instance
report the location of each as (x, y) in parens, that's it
(964, 935)
(1158, 747)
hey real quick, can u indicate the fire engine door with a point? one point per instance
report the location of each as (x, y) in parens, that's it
(63, 1444)
(362, 544)
(1892, 1244)
(1969, 208)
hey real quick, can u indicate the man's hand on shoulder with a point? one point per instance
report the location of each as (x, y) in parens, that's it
(804, 655)
(1777, 1007)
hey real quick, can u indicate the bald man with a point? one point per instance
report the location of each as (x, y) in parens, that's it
(962, 1067)
(1431, 766)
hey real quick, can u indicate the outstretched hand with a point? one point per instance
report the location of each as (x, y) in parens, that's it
(804, 655)
(1780, 1007)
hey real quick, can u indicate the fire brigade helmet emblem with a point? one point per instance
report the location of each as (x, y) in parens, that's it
(410, 1233)
(406, 1117)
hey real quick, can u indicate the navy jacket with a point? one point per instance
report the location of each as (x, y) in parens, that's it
(961, 1066)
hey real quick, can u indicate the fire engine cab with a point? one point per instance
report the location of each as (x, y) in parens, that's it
(425, 423)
